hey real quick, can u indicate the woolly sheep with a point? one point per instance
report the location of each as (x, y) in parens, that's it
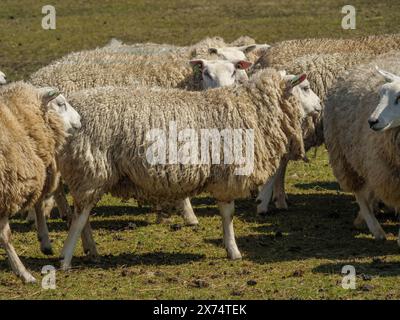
(283, 53)
(107, 157)
(198, 50)
(322, 72)
(361, 128)
(32, 133)
(3, 79)
(90, 69)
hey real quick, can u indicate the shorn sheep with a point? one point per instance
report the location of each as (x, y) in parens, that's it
(125, 153)
(361, 127)
(32, 131)
(3, 79)
(323, 70)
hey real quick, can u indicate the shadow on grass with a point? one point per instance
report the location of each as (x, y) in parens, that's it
(318, 185)
(57, 226)
(315, 226)
(375, 268)
(111, 261)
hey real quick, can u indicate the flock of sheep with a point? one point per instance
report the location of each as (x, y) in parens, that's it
(293, 95)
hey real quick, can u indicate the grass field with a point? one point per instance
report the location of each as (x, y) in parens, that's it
(297, 254)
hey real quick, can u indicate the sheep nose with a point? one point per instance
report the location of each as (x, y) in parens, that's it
(372, 122)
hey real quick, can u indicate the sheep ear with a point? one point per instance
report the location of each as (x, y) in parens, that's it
(389, 77)
(248, 49)
(296, 80)
(213, 51)
(48, 94)
(243, 64)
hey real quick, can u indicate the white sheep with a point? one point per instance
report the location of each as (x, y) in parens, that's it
(89, 69)
(323, 70)
(33, 131)
(122, 163)
(361, 127)
(311, 105)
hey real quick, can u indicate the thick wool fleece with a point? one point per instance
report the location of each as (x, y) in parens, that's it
(360, 157)
(107, 155)
(29, 140)
(89, 69)
(283, 53)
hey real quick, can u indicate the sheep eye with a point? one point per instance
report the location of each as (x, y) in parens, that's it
(207, 74)
(397, 100)
(306, 89)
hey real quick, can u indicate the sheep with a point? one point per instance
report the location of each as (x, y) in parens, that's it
(116, 156)
(3, 79)
(251, 52)
(361, 129)
(50, 201)
(198, 50)
(33, 131)
(89, 69)
(283, 53)
(322, 70)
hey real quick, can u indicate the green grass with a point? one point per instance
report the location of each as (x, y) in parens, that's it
(297, 254)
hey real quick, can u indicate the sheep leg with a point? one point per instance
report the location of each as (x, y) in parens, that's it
(16, 264)
(264, 196)
(367, 213)
(31, 217)
(88, 243)
(42, 230)
(279, 186)
(187, 212)
(227, 210)
(62, 203)
(359, 222)
(79, 221)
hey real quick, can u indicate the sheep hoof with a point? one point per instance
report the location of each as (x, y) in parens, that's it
(359, 223)
(262, 213)
(380, 237)
(93, 257)
(28, 278)
(192, 224)
(234, 255)
(282, 205)
(48, 251)
(65, 266)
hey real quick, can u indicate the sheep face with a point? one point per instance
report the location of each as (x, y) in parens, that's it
(70, 117)
(3, 79)
(220, 73)
(387, 113)
(52, 100)
(310, 102)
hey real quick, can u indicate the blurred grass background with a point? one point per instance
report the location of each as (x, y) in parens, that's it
(84, 24)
